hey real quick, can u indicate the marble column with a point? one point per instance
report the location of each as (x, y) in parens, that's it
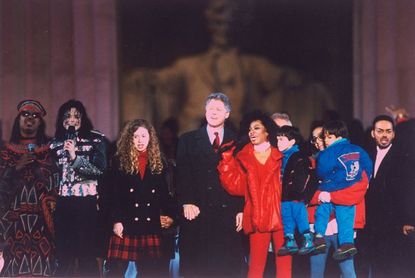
(384, 60)
(55, 50)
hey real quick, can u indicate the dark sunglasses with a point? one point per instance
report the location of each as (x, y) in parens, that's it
(27, 114)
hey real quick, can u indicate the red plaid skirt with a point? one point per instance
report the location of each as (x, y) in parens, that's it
(133, 248)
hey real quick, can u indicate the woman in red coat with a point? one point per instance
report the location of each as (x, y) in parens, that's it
(254, 172)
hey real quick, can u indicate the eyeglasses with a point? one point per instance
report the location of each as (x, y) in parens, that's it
(27, 114)
(314, 139)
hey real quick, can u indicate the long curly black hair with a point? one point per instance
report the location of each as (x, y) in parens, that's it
(86, 124)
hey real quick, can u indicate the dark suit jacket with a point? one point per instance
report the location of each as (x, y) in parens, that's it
(405, 140)
(382, 198)
(389, 198)
(209, 244)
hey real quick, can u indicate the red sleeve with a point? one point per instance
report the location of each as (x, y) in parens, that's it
(348, 196)
(231, 175)
(351, 195)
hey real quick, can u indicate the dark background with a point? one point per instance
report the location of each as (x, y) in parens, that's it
(313, 37)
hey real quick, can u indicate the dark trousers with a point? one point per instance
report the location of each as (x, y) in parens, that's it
(76, 224)
(382, 252)
(211, 248)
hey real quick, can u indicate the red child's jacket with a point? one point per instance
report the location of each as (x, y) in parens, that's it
(352, 195)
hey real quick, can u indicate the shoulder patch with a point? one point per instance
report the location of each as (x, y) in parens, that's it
(350, 162)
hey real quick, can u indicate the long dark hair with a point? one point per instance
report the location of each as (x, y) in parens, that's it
(86, 124)
(41, 138)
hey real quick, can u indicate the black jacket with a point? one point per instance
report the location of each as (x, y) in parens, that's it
(139, 203)
(298, 178)
(209, 244)
(91, 159)
(384, 196)
(197, 177)
(405, 142)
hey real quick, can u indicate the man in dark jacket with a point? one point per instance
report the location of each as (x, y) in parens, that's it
(405, 132)
(382, 236)
(209, 243)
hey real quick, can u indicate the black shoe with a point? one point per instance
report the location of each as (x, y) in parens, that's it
(319, 245)
(345, 251)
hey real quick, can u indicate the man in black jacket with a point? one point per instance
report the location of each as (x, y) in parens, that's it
(209, 243)
(383, 231)
(406, 132)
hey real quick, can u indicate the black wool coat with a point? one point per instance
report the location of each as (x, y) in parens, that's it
(209, 245)
(138, 203)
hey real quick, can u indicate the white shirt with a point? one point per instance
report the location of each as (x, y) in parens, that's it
(380, 155)
(211, 133)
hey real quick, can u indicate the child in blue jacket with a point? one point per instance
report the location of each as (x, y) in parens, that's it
(339, 166)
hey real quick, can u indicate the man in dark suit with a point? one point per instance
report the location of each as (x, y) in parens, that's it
(405, 132)
(209, 243)
(383, 235)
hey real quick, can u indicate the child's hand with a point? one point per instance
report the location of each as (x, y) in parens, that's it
(118, 229)
(165, 221)
(324, 197)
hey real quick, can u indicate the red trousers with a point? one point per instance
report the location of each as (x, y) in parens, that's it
(259, 244)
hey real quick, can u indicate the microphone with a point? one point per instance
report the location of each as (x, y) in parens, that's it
(31, 147)
(70, 135)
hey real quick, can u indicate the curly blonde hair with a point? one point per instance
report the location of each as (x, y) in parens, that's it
(128, 154)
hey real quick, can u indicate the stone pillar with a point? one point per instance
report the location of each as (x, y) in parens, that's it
(55, 50)
(384, 60)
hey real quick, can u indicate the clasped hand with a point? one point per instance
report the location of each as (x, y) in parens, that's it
(118, 229)
(324, 197)
(25, 160)
(166, 221)
(69, 145)
(190, 211)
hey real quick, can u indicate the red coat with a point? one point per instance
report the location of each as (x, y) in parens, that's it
(352, 195)
(240, 176)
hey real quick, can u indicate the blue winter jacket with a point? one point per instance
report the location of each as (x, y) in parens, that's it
(341, 165)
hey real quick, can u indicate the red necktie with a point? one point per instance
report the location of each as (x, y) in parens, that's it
(216, 142)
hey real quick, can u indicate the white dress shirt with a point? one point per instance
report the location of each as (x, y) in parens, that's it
(211, 133)
(380, 155)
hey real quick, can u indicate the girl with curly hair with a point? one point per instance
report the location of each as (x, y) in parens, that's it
(141, 196)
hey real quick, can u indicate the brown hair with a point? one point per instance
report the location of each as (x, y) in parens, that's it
(128, 154)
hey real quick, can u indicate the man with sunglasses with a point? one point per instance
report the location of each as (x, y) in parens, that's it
(27, 196)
